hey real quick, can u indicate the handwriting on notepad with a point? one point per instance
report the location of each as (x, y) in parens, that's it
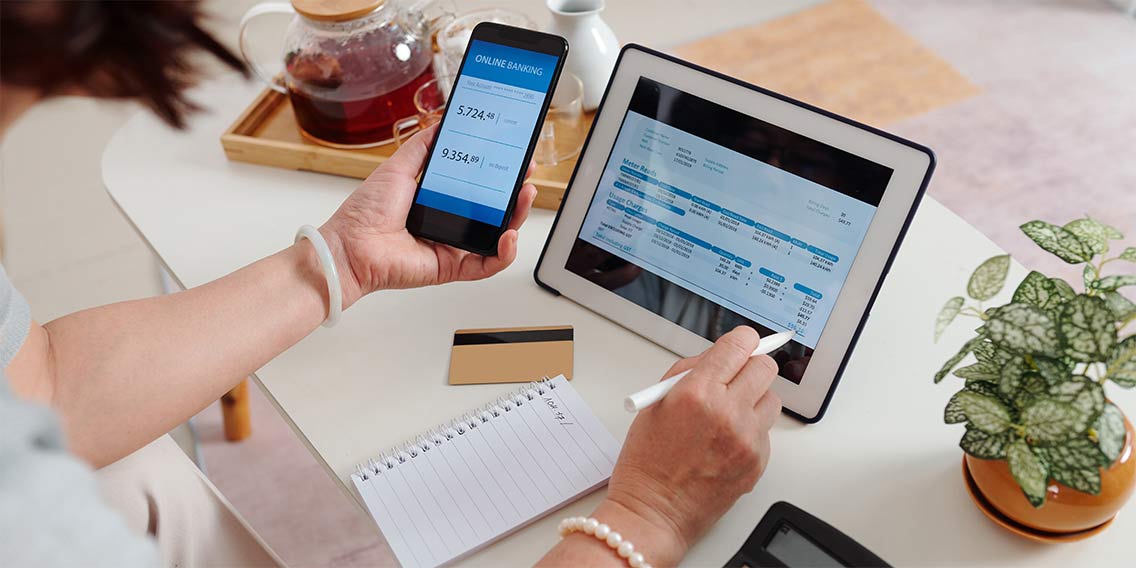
(560, 417)
(499, 473)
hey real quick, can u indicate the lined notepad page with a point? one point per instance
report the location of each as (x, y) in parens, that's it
(484, 475)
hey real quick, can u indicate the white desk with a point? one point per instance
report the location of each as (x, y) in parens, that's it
(881, 466)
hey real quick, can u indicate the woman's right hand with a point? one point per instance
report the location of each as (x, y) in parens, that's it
(687, 459)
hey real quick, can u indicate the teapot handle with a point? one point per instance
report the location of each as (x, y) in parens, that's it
(404, 128)
(260, 10)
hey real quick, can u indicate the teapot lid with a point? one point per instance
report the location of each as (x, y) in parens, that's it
(335, 10)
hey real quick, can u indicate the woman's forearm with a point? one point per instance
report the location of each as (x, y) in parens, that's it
(123, 374)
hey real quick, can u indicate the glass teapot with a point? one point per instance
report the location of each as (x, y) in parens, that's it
(351, 67)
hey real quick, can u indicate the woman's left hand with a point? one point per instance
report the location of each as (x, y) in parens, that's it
(373, 249)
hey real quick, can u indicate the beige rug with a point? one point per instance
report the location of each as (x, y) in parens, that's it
(1051, 136)
(843, 56)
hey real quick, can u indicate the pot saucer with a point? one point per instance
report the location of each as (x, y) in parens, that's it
(1018, 528)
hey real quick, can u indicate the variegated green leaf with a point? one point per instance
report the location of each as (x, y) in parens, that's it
(1115, 281)
(954, 414)
(1111, 233)
(1009, 376)
(1093, 233)
(1064, 291)
(1129, 254)
(1047, 421)
(954, 360)
(1032, 386)
(1110, 432)
(1087, 328)
(1085, 394)
(1076, 463)
(1052, 370)
(1089, 277)
(984, 445)
(988, 279)
(1058, 241)
(986, 413)
(1028, 470)
(1121, 307)
(947, 315)
(1121, 367)
(984, 387)
(987, 352)
(1023, 328)
(1038, 290)
(978, 372)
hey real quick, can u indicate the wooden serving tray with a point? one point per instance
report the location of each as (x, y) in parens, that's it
(266, 133)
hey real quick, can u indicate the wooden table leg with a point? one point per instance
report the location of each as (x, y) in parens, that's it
(235, 411)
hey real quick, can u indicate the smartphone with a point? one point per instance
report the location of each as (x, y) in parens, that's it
(478, 160)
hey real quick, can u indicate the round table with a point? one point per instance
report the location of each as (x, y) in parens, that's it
(881, 466)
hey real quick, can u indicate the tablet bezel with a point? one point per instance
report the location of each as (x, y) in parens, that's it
(912, 165)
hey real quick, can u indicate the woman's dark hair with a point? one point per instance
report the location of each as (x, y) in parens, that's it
(139, 49)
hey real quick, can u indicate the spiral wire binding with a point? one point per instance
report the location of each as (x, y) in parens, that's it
(443, 433)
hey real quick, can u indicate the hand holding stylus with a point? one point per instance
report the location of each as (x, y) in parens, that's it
(654, 393)
(686, 460)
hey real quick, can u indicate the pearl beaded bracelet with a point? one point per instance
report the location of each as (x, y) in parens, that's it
(614, 540)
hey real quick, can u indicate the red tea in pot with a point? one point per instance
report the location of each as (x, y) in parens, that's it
(332, 109)
(350, 86)
(351, 66)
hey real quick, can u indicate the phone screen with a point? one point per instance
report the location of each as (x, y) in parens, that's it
(482, 147)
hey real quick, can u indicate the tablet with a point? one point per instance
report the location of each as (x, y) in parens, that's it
(700, 203)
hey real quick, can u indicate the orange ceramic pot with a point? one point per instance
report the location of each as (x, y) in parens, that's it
(1065, 510)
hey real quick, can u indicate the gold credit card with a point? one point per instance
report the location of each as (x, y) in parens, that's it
(510, 354)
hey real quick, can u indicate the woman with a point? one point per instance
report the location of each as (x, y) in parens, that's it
(684, 462)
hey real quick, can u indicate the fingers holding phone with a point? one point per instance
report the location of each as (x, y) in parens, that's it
(472, 191)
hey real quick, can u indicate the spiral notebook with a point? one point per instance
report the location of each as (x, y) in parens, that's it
(471, 481)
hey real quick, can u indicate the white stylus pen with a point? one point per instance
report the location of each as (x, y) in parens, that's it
(654, 393)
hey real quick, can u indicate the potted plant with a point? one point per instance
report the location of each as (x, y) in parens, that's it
(1044, 445)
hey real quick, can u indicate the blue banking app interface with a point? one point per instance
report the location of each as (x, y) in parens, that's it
(489, 122)
(712, 218)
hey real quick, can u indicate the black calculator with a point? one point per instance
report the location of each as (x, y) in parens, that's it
(789, 537)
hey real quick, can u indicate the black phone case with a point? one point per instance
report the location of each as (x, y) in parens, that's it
(492, 250)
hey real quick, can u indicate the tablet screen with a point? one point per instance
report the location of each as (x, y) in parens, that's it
(712, 218)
